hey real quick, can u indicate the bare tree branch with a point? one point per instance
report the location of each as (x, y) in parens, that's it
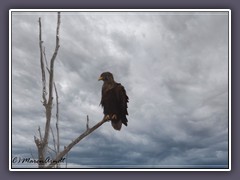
(45, 58)
(57, 118)
(74, 142)
(50, 97)
(40, 142)
(53, 60)
(42, 64)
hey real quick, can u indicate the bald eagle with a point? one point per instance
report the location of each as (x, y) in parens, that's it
(114, 101)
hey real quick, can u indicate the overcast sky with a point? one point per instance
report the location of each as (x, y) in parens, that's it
(173, 65)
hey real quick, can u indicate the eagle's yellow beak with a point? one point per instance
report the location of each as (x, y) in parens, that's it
(100, 78)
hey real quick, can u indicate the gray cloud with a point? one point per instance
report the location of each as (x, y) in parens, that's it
(173, 66)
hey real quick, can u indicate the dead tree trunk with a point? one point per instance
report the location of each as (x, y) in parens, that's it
(42, 141)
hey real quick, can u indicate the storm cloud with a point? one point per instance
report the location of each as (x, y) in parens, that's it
(173, 65)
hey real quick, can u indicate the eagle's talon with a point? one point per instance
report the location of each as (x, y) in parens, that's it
(107, 117)
(114, 117)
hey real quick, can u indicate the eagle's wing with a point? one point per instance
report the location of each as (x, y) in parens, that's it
(122, 100)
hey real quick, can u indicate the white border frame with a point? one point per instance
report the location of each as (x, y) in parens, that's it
(119, 10)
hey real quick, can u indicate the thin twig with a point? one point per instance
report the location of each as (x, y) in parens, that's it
(31, 153)
(40, 134)
(55, 152)
(66, 158)
(87, 125)
(42, 64)
(54, 141)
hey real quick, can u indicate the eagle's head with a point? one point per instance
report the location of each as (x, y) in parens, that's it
(106, 77)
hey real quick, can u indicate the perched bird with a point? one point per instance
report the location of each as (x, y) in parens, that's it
(114, 101)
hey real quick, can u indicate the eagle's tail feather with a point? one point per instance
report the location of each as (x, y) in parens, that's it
(117, 125)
